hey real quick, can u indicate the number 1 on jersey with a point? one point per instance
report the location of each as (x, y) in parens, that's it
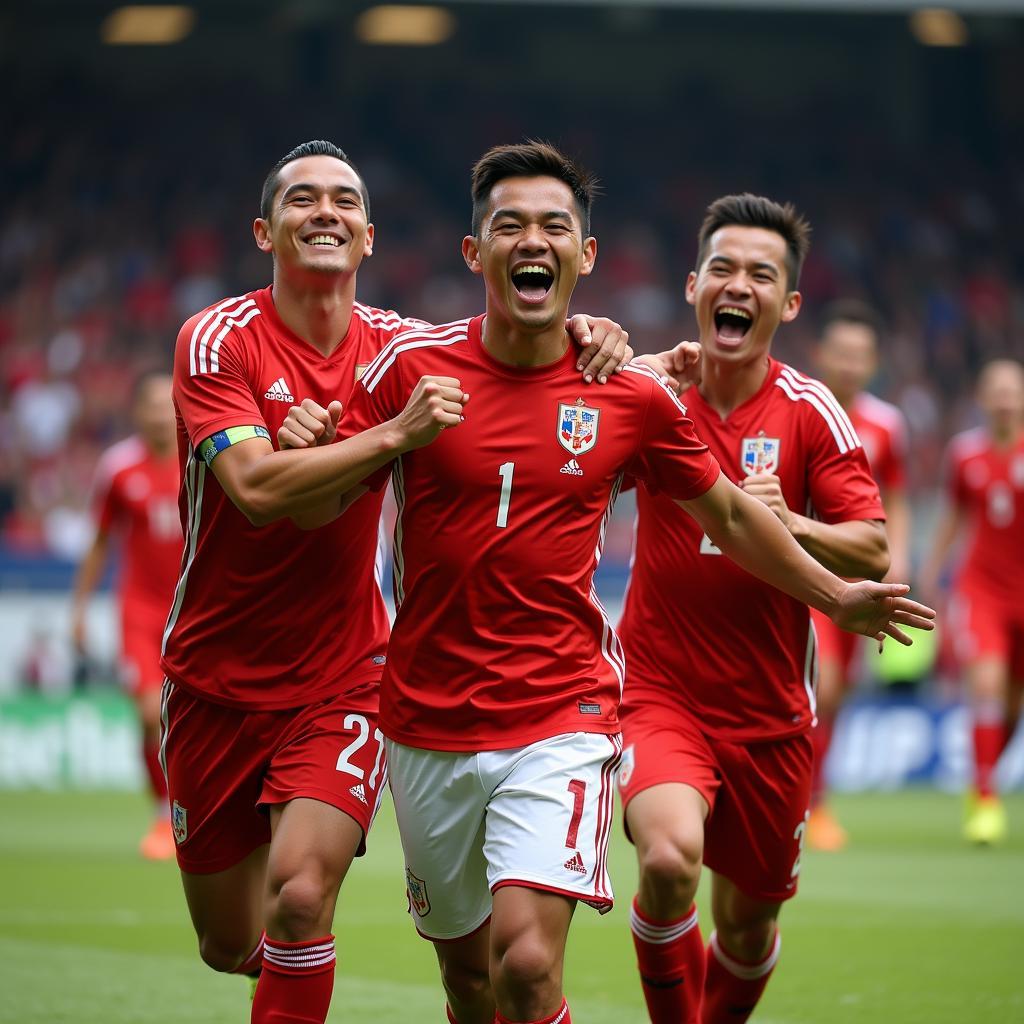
(505, 471)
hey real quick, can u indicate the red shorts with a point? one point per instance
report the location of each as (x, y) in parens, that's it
(142, 631)
(224, 766)
(984, 627)
(758, 793)
(835, 644)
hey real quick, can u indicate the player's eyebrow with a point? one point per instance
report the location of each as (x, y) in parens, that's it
(759, 265)
(305, 186)
(521, 214)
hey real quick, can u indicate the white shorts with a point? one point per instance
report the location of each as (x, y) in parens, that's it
(537, 816)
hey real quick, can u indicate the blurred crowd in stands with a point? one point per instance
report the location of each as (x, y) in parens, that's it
(109, 240)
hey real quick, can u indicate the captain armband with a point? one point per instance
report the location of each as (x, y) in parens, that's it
(216, 443)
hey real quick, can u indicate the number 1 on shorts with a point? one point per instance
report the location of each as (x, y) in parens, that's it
(578, 788)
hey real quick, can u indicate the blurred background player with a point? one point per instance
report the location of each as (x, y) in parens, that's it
(136, 507)
(719, 700)
(846, 359)
(985, 511)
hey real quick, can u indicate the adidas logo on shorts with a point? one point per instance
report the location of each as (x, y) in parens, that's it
(575, 863)
(359, 792)
(571, 468)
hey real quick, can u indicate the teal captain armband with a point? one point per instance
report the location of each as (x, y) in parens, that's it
(216, 443)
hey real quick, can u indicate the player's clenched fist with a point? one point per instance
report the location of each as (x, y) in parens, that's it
(309, 424)
(436, 403)
(767, 488)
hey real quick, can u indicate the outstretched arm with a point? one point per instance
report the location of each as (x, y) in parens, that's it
(749, 533)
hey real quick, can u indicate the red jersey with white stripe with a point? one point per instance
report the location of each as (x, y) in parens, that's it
(500, 639)
(987, 484)
(272, 616)
(698, 630)
(883, 434)
(136, 496)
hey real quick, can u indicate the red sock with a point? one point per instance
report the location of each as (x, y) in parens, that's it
(449, 1014)
(989, 739)
(731, 987)
(560, 1016)
(821, 739)
(253, 963)
(157, 781)
(296, 983)
(671, 959)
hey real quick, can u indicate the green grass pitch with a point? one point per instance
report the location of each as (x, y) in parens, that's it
(908, 925)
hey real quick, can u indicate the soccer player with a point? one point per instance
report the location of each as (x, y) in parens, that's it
(500, 697)
(276, 638)
(985, 506)
(847, 359)
(136, 506)
(720, 694)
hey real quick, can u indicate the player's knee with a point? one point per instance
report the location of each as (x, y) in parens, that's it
(222, 954)
(670, 867)
(466, 983)
(297, 906)
(528, 964)
(750, 939)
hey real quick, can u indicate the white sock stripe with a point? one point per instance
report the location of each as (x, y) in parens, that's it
(561, 1013)
(660, 934)
(746, 972)
(298, 951)
(307, 962)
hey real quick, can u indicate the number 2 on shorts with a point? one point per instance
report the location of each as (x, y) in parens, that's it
(345, 765)
(578, 788)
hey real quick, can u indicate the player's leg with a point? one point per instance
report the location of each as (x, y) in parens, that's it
(528, 932)
(668, 785)
(465, 974)
(742, 952)
(322, 786)
(754, 844)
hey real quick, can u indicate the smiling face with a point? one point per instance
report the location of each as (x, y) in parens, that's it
(740, 293)
(530, 250)
(317, 223)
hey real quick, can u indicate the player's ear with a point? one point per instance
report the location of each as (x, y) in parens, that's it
(589, 256)
(791, 307)
(261, 231)
(691, 288)
(368, 247)
(471, 254)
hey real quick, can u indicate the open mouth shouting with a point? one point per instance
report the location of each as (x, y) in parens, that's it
(532, 282)
(732, 323)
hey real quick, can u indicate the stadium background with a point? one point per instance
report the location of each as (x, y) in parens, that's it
(131, 176)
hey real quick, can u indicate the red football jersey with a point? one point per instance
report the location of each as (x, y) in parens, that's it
(136, 496)
(273, 616)
(987, 483)
(500, 639)
(882, 432)
(699, 630)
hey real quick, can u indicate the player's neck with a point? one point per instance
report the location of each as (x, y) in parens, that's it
(512, 345)
(318, 315)
(726, 386)
(1004, 438)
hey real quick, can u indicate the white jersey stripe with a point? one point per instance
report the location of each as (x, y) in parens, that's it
(229, 324)
(606, 804)
(811, 669)
(195, 478)
(398, 570)
(165, 696)
(813, 399)
(208, 324)
(822, 399)
(406, 343)
(646, 371)
(398, 339)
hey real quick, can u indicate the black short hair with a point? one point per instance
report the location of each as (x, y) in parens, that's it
(531, 159)
(750, 211)
(315, 147)
(851, 311)
(143, 379)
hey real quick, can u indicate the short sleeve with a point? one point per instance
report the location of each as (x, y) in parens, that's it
(670, 457)
(839, 478)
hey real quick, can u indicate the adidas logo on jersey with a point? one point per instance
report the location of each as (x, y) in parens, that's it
(571, 468)
(279, 391)
(575, 863)
(359, 792)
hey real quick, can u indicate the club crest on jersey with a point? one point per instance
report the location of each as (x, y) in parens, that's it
(759, 454)
(577, 427)
(417, 890)
(179, 822)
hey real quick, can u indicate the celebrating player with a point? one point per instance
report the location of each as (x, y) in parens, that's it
(135, 497)
(985, 479)
(276, 638)
(846, 359)
(499, 700)
(720, 695)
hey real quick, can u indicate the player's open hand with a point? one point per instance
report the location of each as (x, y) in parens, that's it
(767, 488)
(435, 404)
(604, 346)
(308, 425)
(879, 609)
